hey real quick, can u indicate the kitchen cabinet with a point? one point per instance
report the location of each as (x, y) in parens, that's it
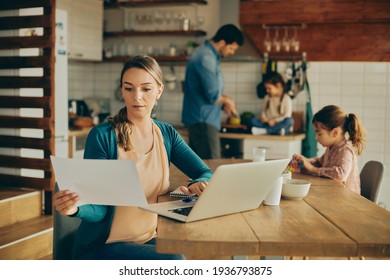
(85, 28)
(140, 25)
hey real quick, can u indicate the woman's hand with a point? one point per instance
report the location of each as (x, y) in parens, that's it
(65, 202)
(194, 189)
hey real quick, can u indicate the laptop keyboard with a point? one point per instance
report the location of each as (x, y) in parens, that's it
(182, 211)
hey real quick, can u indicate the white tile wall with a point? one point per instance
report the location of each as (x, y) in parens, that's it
(359, 87)
(81, 79)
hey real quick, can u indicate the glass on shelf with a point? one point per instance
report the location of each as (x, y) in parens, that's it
(200, 20)
(158, 20)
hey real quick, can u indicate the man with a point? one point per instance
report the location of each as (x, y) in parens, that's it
(203, 91)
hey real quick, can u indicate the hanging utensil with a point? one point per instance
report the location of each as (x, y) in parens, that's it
(277, 43)
(171, 79)
(286, 41)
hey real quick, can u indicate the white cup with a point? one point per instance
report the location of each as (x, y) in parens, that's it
(286, 174)
(274, 195)
(259, 154)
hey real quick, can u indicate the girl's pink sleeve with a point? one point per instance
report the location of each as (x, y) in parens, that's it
(341, 170)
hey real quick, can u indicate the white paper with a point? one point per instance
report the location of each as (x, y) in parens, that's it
(106, 182)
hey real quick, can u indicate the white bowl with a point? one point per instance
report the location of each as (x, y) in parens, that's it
(295, 188)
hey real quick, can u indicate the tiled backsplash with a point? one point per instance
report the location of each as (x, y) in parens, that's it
(358, 87)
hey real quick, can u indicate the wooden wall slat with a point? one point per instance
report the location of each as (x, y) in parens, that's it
(20, 4)
(24, 142)
(23, 162)
(24, 102)
(46, 61)
(24, 22)
(8, 62)
(309, 11)
(8, 43)
(26, 182)
(336, 30)
(22, 122)
(332, 42)
(25, 82)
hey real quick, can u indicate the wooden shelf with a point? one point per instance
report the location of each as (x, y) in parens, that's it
(190, 33)
(148, 3)
(130, 33)
(178, 58)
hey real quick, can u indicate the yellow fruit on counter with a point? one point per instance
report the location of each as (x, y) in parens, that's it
(234, 121)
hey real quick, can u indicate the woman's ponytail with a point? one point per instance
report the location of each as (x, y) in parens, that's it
(123, 126)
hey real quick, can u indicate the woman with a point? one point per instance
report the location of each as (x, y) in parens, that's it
(119, 232)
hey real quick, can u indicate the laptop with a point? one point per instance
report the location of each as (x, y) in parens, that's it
(233, 188)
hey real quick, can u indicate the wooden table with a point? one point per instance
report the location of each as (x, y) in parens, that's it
(330, 221)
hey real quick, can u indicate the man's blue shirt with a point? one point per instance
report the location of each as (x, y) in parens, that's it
(203, 86)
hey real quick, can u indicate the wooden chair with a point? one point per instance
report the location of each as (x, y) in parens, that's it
(64, 232)
(370, 180)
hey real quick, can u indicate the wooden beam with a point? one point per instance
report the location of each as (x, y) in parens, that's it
(25, 182)
(25, 42)
(24, 22)
(25, 82)
(7, 62)
(23, 162)
(22, 122)
(24, 142)
(24, 102)
(308, 11)
(20, 4)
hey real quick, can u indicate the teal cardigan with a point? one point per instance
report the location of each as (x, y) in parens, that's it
(102, 144)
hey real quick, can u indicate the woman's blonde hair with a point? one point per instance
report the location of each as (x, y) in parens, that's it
(332, 116)
(120, 122)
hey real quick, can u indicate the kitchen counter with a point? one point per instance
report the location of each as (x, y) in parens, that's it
(240, 136)
(277, 146)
